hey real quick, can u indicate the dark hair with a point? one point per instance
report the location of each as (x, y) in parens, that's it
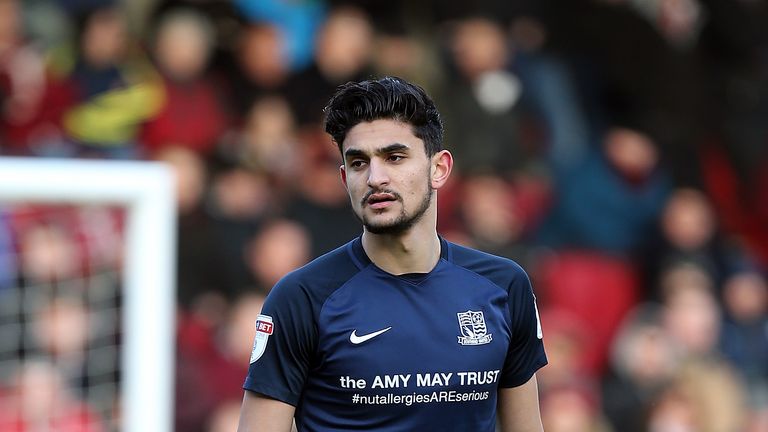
(385, 98)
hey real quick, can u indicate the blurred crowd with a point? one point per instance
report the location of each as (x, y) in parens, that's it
(617, 149)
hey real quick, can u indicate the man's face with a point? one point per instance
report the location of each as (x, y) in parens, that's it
(387, 175)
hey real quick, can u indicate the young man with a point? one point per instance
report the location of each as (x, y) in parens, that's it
(398, 330)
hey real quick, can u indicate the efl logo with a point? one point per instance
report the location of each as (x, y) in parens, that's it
(264, 327)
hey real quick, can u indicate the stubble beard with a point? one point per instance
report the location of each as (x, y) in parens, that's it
(404, 221)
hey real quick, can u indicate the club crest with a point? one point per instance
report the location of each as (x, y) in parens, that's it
(264, 328)
(473, 328)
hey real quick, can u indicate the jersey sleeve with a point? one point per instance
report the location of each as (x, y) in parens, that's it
(284, 343)
(526, 349)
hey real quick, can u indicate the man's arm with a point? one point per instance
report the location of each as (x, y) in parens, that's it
(519, 408)
(260, 413)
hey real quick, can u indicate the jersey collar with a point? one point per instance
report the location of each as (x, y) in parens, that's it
(361, 260)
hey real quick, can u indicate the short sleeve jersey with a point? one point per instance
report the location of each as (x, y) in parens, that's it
(353, 347)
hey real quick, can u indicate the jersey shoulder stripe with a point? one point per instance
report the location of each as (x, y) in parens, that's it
(500, 271)
(318, 279)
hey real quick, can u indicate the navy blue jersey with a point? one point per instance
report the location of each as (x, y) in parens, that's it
(353, 347)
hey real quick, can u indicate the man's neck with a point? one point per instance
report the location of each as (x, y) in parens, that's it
(416, 251)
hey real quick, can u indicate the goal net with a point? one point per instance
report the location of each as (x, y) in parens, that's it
(87, 296)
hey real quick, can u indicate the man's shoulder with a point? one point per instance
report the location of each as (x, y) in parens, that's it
(474, 258)
(499, 270)
(324, 273)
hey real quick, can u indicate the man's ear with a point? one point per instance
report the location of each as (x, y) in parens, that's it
(343, 174)
(442, 165)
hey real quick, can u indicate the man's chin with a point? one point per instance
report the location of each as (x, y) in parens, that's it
(390, 228)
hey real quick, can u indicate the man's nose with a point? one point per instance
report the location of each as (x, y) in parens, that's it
(377, 174)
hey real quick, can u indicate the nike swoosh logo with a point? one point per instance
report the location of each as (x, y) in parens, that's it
(355, 339)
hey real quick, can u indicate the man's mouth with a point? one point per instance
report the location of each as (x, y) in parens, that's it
(379, 200)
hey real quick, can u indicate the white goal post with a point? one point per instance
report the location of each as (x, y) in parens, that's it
(146, 191)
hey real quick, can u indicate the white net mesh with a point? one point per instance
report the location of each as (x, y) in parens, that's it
(60, 325)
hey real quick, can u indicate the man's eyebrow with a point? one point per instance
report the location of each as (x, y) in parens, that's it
(392, 148)
(353, 152)
(350, 153)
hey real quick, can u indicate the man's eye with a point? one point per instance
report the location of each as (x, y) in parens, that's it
(357, 163)
(395, 158)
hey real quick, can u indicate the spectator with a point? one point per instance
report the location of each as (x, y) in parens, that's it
(31, 104)
(703, 396)
(643, 67)
(297, 22)
(261, 70)
(567, 337)
(492, 217)
(49, 253)
(240, 200)
(320, 203)
(744, 339)
(40, 398)
(644, 361)
(572, 409)
(481, 92)
(398, 53)
(57, 243)
(196, 270)
(689, 232)
(691, 315)
(216, 350)
(342, 53)
(609, 201)
(280, 247)
(74, 337)
(267, 141)
(114, 89)
(62, 330)
(191, 114)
